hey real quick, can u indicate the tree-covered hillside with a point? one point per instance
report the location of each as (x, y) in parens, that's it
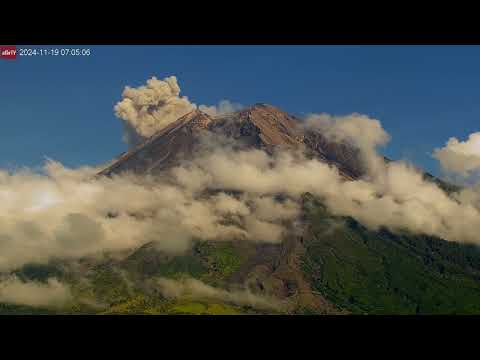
(368, 272)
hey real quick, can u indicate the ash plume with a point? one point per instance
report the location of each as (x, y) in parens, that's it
(149, 108)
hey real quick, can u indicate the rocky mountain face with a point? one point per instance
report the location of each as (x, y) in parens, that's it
(260, 126)
(160, 151)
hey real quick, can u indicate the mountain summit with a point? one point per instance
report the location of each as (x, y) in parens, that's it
(259, 126)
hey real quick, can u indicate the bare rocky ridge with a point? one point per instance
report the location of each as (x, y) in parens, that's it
(161, 150)
(260, 126)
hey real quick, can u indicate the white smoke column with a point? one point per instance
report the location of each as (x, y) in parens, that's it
(460, 157)
(33, 293)
(149, 108)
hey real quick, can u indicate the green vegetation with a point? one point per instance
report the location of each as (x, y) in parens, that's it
(108, 285)
(147, 263)
(382, 273)
(139, 305)
(203, 308)
(150, 306)
(223, 259)
(39, 272)
(10, 309)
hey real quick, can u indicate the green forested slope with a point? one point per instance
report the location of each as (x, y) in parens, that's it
(381, 273)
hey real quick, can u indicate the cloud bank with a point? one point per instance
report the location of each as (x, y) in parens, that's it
(66, 213)
(32, 293)
(393, 195)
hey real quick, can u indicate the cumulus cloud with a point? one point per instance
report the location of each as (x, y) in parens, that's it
(460, 157)
(223, 107)
(403, 200)
(149, 108)
(357, 130)
(32, 293)
(395, 195)
(192, 288)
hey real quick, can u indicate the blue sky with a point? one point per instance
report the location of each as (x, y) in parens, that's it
(62, 107)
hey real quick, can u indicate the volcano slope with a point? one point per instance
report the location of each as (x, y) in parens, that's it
(326, 265)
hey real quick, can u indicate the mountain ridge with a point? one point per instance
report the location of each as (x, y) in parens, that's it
(254, 126)
(260, 125)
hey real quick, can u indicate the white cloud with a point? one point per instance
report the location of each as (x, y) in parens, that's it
(67, 213)
(192, 288)
(358, 130)
(223, 107)
(461, 157)
(32, 293)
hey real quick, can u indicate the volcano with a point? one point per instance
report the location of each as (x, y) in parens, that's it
(350, 269)
(268, 268)
(325, 263)
(261, 126)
